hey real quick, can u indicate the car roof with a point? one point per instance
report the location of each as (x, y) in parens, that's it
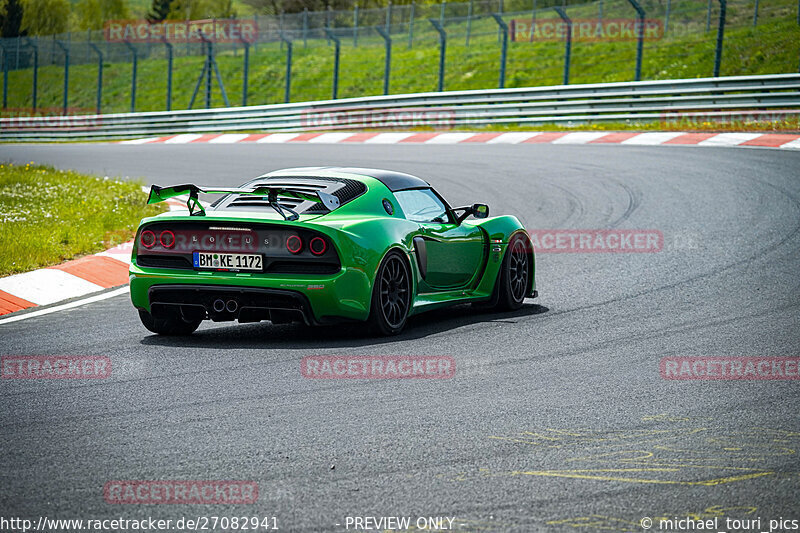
(394, 181)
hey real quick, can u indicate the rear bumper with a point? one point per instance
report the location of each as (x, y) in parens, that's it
(318, 299)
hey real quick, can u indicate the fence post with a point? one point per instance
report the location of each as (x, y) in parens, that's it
(280, 26)
(288, 88)
(533, 21)
(442, 51)
(99, 76)
(389, 17)
(503, 28)
(469, 19)
(35, 70)
(388, 58)
(5, 76)
(500, 11)
(246, 71)
(355, 25)
(212, 64)
(666, 17)
(169, 71)
(442, 8)
(755, 14)
(305, 27)
(337, 43)
(411, 26)
(328, 19)
(66, 74)
(568, 43)
(640, 15)
(723, 4)
(132, 48)
(708, 17)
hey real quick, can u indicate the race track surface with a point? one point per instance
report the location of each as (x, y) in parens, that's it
(557, 418)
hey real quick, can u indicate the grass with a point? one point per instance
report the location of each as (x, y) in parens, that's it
(48, 216)
(770, 47)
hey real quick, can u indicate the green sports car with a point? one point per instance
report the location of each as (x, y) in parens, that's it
(321, 245)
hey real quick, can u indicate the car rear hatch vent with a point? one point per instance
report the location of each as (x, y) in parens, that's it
(344, 189)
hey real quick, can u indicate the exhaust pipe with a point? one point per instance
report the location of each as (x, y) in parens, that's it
(219, 305)
(232, 306)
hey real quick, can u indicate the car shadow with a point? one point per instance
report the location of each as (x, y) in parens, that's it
(348, 335)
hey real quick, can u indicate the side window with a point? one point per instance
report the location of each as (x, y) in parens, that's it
(421, 205)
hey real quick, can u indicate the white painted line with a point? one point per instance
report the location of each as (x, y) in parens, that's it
(792, 145)
(70, 305)
(513, 137)
(229, 138)
(277, 138)
(653, 138)
(183, 138)
(331, 137)
(579, 137)
(141, 141)
(449, 138)
(47, 286)
(729, 139)
(388, 138)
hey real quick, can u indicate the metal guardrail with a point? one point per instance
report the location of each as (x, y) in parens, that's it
(618, 102)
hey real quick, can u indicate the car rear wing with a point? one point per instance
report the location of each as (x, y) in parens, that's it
(161, 194)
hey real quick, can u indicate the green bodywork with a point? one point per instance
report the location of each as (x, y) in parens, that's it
(463, 260)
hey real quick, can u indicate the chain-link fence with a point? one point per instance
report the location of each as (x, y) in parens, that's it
(409, 48)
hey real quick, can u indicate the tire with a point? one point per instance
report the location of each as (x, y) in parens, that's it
(391, 295)
(173, 326)
(514, 276)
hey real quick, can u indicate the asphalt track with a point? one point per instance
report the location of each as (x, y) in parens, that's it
(557, 418)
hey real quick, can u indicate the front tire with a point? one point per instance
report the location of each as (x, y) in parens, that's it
(391, 295)
(514, 275)
(174, 325)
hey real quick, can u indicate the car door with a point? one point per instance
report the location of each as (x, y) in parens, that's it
(448, 254)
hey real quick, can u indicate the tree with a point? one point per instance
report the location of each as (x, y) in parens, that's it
(159, 10)
(93, 14)
(45, 17)
(11, 19)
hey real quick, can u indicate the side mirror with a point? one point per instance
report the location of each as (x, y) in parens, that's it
(480, 210)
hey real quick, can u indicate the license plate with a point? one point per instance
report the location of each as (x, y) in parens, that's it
(216, 261)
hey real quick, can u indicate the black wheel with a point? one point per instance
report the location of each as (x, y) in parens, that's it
(391, 296)
(173, 325)
(514, 274)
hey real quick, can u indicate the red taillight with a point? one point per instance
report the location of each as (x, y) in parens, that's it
(167, 239)
(294, 244)
(147, 238)
(317, 246)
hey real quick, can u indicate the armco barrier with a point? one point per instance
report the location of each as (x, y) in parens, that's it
(645, 101)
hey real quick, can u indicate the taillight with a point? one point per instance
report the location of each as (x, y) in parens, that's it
(317, 246)
(167, 239)
(147, 238)
(294, 244)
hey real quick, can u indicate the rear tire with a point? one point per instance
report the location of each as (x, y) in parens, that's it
(391, 295)
(174, 325)
(514, 276)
